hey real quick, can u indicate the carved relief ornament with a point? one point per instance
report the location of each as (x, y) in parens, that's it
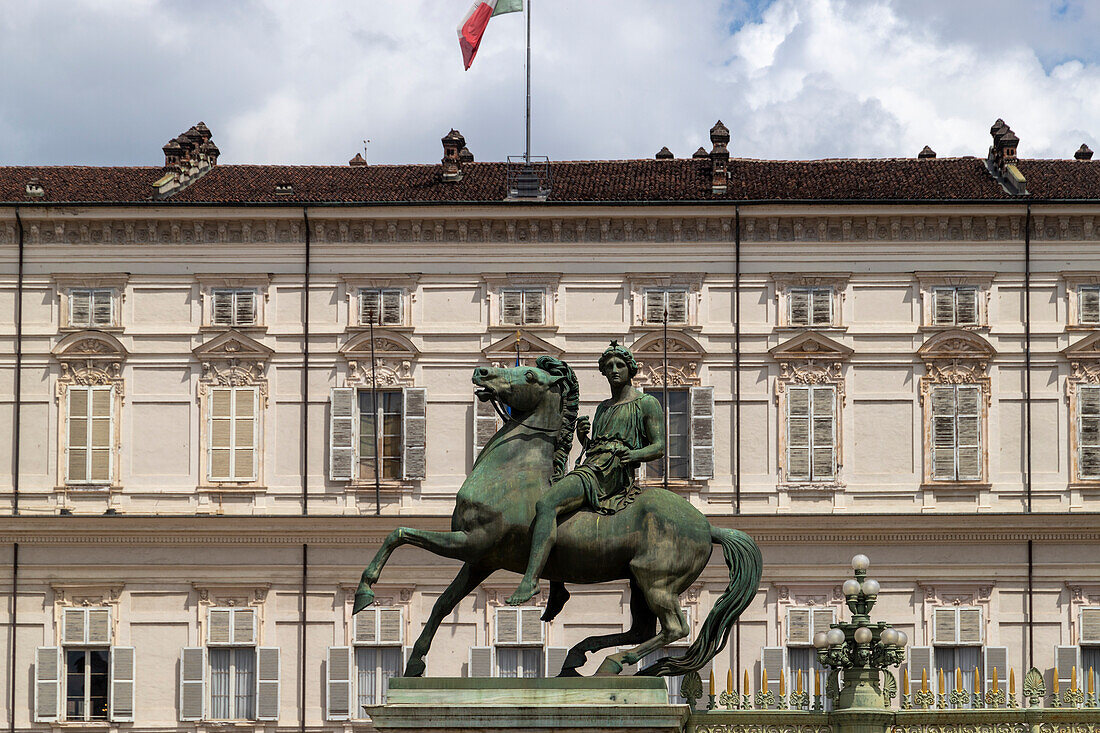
(393, 356)
(232, 359)
(684, 355)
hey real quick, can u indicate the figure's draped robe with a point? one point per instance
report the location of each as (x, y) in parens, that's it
(609, 484)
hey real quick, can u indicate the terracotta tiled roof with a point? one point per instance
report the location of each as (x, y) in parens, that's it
(581, 181)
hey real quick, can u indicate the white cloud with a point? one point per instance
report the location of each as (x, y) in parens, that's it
(291, 82)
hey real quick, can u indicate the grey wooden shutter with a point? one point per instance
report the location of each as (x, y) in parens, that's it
(943, 433)
(47, 684)
(555, 659)
(943, 306)
(968, 406)
(338, 683)
(245, 308)
(220, 428)
(485, 425)
(995, 658)
(221, 310)
(244, 626)
(920, 665)
(391, 308)
(773, 660)
(122, 684)
(822, 308)
(366, 626)
(507, 625)
(798, 627)
(798, 433)
(80, 307)
(245, 404)
(945, 623)
(391, 626)
(966, 306)
(798, 307)
(415, 413)
(1090, 626)
(531, 627)
(102, 308)
(99, 626)
(480, 662)
(971, 627)
(370, 307)
(102, 434)
(1088, 431)
(702, 433)
(219, 626)
(192, 683)
(74, 626)
(1088, 310)
(342, 430)
(1066, 659)
(267, 683)
(654, 311)
(823, 437)
(677, 306)
(532, 308)
(511, 307)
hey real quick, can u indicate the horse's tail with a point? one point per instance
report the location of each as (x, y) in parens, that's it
(746, 566)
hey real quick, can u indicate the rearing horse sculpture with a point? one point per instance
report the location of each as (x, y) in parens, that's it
(660, 543)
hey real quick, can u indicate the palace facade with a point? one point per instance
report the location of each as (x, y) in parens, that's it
(206, 366)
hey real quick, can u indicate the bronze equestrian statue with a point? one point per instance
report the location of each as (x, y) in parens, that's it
(520, 510)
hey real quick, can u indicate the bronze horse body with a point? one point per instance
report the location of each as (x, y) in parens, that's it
(659, 543)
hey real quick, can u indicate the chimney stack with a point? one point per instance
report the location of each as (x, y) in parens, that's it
(719, 157)
(700, 153)
(1083, 153)
(357, 160)
(926, 153)
(665, 154)
(1001, 160)
(187, 157)
(453, 143)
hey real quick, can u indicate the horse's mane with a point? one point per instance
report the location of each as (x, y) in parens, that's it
(570, 407)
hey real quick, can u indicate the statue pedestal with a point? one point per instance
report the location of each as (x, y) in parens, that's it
(574, 704)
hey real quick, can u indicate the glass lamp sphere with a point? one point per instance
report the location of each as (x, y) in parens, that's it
(850, 587)
(835, 637)
(861, 563)
(863, 635)
(870, 587)
(888, 636)
(903, 639)
(821, 640)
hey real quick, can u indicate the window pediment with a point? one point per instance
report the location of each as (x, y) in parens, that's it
(90, 346)
(393, 355)
(387, 344)
(528, 346)
(232, 345)
(1087, 349)
(956, 344)
(810, 345)
(684, 354)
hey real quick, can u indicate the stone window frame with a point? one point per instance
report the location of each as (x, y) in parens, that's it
(406, 284)
(1075, 282)
(786, 282)
(89, 359)
(927, 283)
(548, 283)
(810, 359)
(232, 359)
(637, 285)
(207, 284)
(115, 282)
(1084, 370)
(954, 357)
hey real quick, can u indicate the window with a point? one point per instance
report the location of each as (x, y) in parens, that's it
(231, 678)
(673, 683)
(381, 307)
(678, 440)
(810, 307)
(522, 307)
(1088, 431)
(91, 308)
(1088, 305)
(957, 664)
(658, 302)
(92, 680)
(398, 415)
(233, 307)
(89, 433)
(378, 655)
(811, 433)
(955, 306)
(1090, 666)
(519, 642)
(232, 430)
(956, 432)
(930, 662)
(802, 624)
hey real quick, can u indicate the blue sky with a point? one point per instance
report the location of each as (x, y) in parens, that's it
(108, 82)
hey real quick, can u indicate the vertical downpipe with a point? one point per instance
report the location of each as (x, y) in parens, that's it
(18, 376)
(1027, 436)
(302, 657)
(737, 398)
(305, 372)
(13, 617)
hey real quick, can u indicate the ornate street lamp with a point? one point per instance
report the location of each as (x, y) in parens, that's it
(860, 649)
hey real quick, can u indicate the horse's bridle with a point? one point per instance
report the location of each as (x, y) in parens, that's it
(492, 400)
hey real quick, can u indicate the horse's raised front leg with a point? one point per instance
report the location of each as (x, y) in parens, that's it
(466, 580)
(665, 603)
(454, 545)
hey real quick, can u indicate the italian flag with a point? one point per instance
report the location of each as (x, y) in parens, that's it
(472, 27)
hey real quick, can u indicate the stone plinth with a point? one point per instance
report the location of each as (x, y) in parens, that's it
(454, 705)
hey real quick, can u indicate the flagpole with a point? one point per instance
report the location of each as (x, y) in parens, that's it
(527, 151)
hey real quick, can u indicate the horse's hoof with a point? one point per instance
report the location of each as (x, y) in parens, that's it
(569, 672)
(363, 598)
(609, 667)
(415, 667)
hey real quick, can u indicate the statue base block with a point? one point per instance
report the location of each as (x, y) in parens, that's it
(573, 704)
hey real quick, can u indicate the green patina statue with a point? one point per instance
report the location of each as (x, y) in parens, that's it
(520, 510)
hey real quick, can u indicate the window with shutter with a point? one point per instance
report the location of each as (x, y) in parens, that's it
(507, 625)
(946, 626)
(480, 662)
(822, 308)
(811, 433)
(920, 668)
(379, 626)
(955, 306)
(267, 681)
(381, 307)
(486, 424)
(1090, 626)
(966, 307)
(192, 683)
(511, 307)
(232, 434)
(80, 308)
(804, 622)
(414, 448)
(90, 431)
(654, 306)
(810, 307)
(958, 626)
(381, 433)
(702, 433)
(102, 308)
(798, 313)
(1088, 431)
(659, 301)
(342, 433)
(1088, 305)
(1066, 660)
(773, 662)
(555, 659)
(91, 308)
(231, 626)
(338, 683)
(122, 684)
(47, 684)
(995, 661)
(956, 432)
(233, 307)
(678, 443)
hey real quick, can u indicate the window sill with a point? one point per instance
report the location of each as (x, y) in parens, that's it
(809, 486)
(956, 485)
(649, 327)
(357, 328)
(1086, 484)
(101, 329)
(1086, 327)
(937, 329)
(360, 486)
(823, 329)
(674, 484)
(231, 488)
(240, 329)
(88, 488)
(83, 724)
(541, 328)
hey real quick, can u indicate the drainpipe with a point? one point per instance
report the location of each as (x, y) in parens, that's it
(302, 656)
(11, 635)
(18, 371)
(305, 373)
(737, 399)
(1027, 436)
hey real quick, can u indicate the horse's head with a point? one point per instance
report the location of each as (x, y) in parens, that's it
(523, 388)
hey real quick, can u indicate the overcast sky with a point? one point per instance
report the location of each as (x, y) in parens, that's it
(108, 82)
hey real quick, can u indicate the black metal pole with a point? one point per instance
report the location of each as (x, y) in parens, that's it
(374, 414)
(664, 371)
(302, 611)
(737, 372)
(12, 639)
(1030, 605)
(1027, 356)
(18, 377)
(305, 372)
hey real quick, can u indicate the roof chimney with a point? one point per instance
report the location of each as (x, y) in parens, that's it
(465, 156)
(357, 160)
(453, 143)
(665, 154)
(187, 157)
(1083, 153)
(926, 153)
(1001, 160)
(719, 157)
(700, 153)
